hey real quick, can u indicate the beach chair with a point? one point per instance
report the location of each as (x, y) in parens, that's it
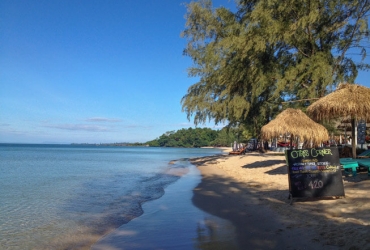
(239, 151)
(365, 154)
(364, 163)
(283, 144)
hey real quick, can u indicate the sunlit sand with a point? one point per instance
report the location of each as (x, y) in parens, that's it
(252, 191)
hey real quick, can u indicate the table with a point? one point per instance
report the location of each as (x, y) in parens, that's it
(349, 163)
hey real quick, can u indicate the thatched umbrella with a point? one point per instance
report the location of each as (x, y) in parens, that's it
(347, 100)
(296, 123)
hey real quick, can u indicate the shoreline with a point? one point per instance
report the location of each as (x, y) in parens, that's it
(105, 239)
(172, 222)
(251, 191)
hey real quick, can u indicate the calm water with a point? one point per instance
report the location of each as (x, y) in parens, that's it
(55, 196)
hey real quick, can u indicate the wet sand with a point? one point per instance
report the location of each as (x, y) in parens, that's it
(173, 222)
(251, 191)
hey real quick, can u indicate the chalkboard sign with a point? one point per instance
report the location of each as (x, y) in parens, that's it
(314, 172)
(361, 132)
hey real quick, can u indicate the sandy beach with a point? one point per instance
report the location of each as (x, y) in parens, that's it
(251, 191)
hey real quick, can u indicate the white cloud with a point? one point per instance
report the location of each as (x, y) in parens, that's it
(78, 127)
(102, 119)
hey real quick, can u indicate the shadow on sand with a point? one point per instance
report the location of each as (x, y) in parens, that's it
(260, 227)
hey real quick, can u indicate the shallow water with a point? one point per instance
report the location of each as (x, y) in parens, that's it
(173, 222)
(57, 196)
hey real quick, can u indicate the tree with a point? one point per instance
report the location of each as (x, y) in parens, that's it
(180, 138)
(268, 51)
(198, 137)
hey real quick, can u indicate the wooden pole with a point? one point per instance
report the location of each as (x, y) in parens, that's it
(353, 123)
(291, 141)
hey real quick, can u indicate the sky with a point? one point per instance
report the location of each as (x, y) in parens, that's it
(94, 71)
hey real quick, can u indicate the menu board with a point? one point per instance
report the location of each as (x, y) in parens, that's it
(314, 172)
(361, 132)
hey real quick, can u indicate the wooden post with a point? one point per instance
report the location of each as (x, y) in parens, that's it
(353, 123)
(291, 141)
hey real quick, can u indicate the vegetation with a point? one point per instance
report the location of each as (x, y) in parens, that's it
(266, 52)
(198, 137)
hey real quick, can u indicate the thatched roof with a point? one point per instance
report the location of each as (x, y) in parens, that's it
(348, 100)
(296, 123)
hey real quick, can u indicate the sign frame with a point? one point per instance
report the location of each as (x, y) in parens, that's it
(314, 173)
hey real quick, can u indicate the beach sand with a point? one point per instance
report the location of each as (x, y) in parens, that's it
(251, 191)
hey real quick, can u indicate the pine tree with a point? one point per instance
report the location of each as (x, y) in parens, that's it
(267, 51)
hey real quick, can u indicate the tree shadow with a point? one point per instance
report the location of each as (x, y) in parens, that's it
(362, 175)
(258, 226)
(283, 169)
(265, 163)
(209, 159)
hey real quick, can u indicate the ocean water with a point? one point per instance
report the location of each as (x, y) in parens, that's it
(67, 196)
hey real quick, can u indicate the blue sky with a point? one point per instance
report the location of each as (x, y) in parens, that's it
(93, 71)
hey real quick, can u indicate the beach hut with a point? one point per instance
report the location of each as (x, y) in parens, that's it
(295, 123)
(348, 100)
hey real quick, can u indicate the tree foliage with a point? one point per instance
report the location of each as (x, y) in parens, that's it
(198, 137)
(267, 51)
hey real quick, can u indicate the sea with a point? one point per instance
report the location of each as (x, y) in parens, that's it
(68, 196)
